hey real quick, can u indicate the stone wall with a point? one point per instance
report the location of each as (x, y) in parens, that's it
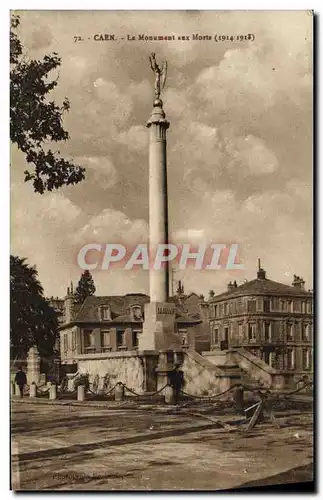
(127, 368)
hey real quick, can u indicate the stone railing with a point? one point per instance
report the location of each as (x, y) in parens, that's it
(257, 369)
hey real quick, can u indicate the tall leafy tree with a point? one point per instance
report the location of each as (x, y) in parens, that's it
(32, 320)
(85, 287)
(35, 120)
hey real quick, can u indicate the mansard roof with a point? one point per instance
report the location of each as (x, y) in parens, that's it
(120, 307)
(263, 286)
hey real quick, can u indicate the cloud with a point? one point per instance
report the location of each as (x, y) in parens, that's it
(111, 226)
(135, 138)
(100, 169)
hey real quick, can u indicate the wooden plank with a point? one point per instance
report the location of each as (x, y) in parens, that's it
(255, 417)
(211, 419)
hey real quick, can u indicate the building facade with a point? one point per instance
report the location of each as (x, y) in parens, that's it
(271, 320)
(114, 324)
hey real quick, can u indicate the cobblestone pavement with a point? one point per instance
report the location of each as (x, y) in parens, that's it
(145, 448)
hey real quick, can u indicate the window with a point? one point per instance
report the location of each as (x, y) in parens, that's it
(290, 332)
(251, 306)
(283, 306)
(306, 359)
(136, 313)
(225, 309)
(135, 338)
(88, 341)
(65, 343)
(215, 311)
(267, 332)
(106, 313)
(121, 339)
(239, 306)
(309, 307)
(275, 304)
(290, 306)
(106, 341)
(73, 341)
(252, 332)
(303, 307)
(215, 336)
(240, 330)
(290, 359)
(268, 357)
(183, 335)
(306, 332)
(266, 305)
(296, 306)
(271, 360)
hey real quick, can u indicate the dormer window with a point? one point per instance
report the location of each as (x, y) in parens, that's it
(105, 313)
(136, 313)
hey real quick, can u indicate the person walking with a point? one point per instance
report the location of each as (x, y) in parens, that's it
(21, 380)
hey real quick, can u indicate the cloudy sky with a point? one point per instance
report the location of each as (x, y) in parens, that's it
(239, 144)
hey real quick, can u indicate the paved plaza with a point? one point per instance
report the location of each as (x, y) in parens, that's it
(145, 447)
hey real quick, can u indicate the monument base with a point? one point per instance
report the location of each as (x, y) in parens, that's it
(159, 328)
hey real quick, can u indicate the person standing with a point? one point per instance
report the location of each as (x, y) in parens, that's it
(21, 380)
(176, 380)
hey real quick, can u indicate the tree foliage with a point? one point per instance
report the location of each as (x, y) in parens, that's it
(85, 287)
(35, 120)
(32, 320)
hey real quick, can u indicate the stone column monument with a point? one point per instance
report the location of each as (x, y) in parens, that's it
(33, 366)
(159, 325)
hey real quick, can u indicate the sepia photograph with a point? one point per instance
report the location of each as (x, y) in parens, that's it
(161, 250)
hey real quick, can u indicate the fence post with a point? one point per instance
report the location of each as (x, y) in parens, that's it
(13, 388)
(80, 393)
(33, 390)
(52, 391)
(169, 395)
(238, 399)
(119, 392)
(17, 390)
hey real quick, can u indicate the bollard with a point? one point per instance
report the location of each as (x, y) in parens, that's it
(13, 388)
(17, 390)
(238, 399)
(169, 395)
(119, 392)
(33, 390)
(80, 393)
(52, 391)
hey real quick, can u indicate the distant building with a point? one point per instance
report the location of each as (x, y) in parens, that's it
(114, 323)
(272, 320)
(58, 305)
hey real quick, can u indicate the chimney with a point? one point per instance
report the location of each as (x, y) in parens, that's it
(211, 294)
(68, 306)
(235, 284)
(230, 286)
(298, 282)
(261, 273)
(180, 288)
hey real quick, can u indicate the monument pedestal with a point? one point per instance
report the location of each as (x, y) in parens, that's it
(159, 328)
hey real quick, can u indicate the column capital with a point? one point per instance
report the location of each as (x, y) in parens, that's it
(158, 116)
